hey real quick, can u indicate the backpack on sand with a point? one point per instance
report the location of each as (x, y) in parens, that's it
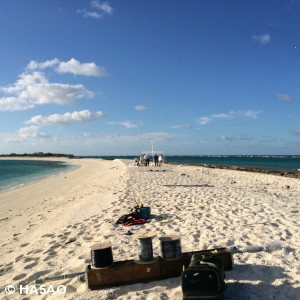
(204, 278)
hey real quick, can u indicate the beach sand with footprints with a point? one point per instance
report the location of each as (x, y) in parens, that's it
(48, 227)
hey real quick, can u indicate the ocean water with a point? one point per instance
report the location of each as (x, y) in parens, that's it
(282, 163)
(270, 163)
(19, 172)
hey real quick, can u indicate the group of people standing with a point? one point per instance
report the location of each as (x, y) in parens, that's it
(145, 160)
(158, 159)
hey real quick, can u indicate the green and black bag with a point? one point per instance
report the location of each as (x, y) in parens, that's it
(204, 278)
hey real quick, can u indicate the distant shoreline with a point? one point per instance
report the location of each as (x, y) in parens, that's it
(254, 170)
(39, 155)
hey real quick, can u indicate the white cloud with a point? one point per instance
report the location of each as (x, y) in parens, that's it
(75, 67)
(33, 89)
(31, 132)
(72, 66)
(34, 65)
(91, 14)
(76, 116)
(228, 116)
(241, 137)
(140, 107)
(251, 114)
(104, 7)
(204, 120)
(223, 116)
(262, 39)
(128, 124)
(182, 126)
(285, 97)
(98, 10)
(14, 103)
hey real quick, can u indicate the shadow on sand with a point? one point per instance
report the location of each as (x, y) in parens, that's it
(259, 284)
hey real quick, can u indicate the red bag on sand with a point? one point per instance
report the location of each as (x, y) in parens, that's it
(135, 222)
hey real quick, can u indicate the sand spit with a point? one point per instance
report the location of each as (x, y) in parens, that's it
(50, 225)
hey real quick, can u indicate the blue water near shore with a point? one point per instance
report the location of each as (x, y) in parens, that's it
(15, 173)
(284, 163)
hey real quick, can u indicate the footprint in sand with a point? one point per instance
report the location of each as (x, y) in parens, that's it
(47, 258)
(20, 276)
(7, 269)
(50, 252)
(28, 259)
(19, 258)
(37, 251)
(54, 246)
(30, 266)
(48, 235)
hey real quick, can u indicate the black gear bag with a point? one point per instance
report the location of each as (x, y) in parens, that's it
(204, 278)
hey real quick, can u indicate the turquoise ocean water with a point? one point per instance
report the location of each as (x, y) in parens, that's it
(19, 172)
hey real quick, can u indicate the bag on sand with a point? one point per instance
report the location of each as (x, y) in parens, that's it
(131, 219)
(204, 278)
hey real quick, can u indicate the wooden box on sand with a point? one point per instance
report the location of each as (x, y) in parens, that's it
(130, 271)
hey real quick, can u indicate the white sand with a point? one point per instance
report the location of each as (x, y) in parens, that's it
(208, 208)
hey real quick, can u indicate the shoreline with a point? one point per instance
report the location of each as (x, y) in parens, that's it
(51, 225)
(244, 169)
(71, 166)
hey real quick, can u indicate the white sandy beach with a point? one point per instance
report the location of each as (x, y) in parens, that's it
(47, 227)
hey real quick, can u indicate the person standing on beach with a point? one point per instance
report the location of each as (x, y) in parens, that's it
(160, 159)
(156, 160)
(147, 159)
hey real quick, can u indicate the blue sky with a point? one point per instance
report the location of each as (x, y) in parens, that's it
(199, 77)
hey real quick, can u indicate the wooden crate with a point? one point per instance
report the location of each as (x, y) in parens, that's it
(130, 272)
(124, 272)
